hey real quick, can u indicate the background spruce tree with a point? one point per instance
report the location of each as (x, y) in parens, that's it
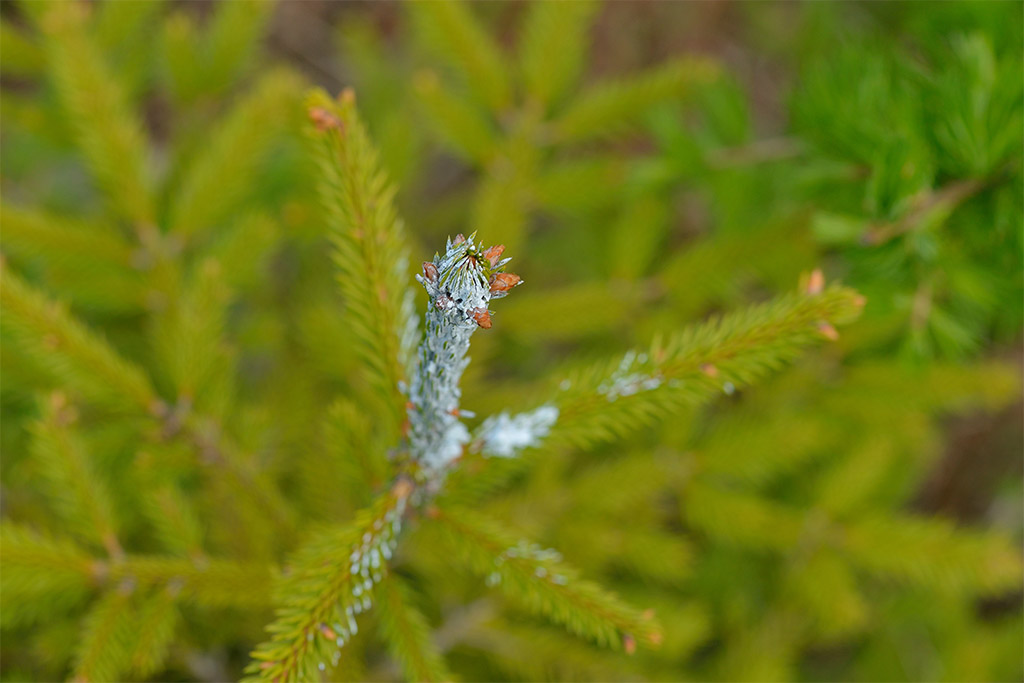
(209, 328)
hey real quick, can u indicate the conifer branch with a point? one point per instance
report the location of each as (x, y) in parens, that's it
(50, 575)
(610, 108)
(244, 249)
(157, 621)
(232, 39)
(205, 61)
(173, 518)
(188, 337)
(105, 649)
(127, 631)
(222, 174)
(453, 31)
(231, 469)
(460, 285)
(69, 351)
(500, 205)
(327, 584)
(573, 186)
(78, 492)
(61, 240)
(360, 458)
(121, 29)
(85, 363)
(407, 633)
(553, 47)
(541, 582)
(110, 137)
(369, 242)
(463, 125)
(742, 519)
(42, 577)
(826, 587)
(204, 581)
(934, 553)
(609, 400)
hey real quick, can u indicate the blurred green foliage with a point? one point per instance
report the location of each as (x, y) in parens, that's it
(154, 178)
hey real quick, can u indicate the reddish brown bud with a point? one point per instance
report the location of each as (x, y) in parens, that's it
(629, 642)
(502, 282)
(327, 632)
(430, 271)
(459, 239)
(816, 283)
(402, 488)
(323, 119)
(709, 370)
(828, 331)
(494, 253)
(482, 317)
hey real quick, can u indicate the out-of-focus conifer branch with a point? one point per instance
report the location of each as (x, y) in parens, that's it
(369, 242)
(330, 581)
(539, 580)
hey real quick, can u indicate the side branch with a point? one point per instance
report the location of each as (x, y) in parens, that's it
(614, 398)
(539, 580)
(329, 581)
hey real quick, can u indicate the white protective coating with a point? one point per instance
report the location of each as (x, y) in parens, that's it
(504, 436)
(459, 293)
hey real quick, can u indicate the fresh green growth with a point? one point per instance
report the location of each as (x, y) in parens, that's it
(334, 577)
(210, 319)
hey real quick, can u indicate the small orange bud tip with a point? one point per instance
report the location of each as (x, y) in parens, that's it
(502, 282)
(430, 271)
(266, 665)
(323, 119)
(828, 331)
(816, 283)
(629, 643)
(709, 370)
(327, 632)
(482, 317)
(859, 301)
(494, 253)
